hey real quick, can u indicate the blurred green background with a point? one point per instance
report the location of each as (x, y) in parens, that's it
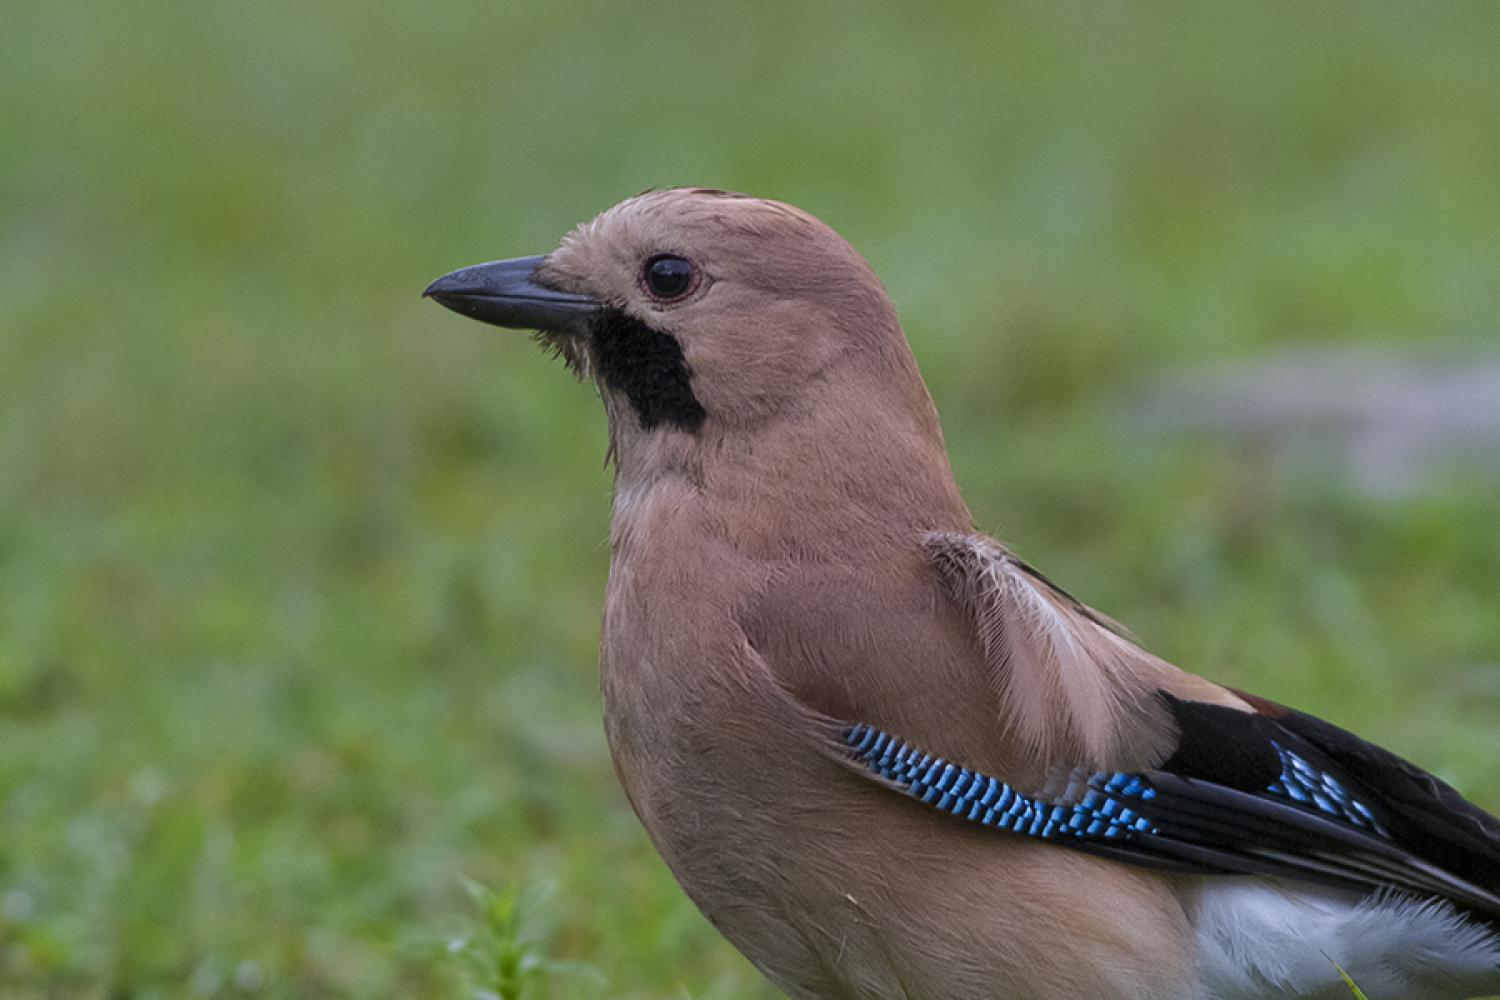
(300, 576)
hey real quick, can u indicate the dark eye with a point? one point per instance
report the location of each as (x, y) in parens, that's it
(670, 277)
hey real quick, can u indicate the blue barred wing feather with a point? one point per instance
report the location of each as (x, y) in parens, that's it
(1271, 792)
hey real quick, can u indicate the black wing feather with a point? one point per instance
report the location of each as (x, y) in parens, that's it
(1422, 809)
(1271, 792)
(1434, 836)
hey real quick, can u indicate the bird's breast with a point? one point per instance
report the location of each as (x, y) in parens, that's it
(711, 667)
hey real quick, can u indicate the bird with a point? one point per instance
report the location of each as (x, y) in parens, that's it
(885, 756)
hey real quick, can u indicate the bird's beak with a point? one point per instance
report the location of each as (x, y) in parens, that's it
(507, 293)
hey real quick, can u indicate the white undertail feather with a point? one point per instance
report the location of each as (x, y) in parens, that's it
(1259, 939)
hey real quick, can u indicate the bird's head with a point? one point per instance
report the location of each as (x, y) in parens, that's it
(707, 316)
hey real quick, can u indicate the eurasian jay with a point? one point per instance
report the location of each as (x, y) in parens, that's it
(886, 757)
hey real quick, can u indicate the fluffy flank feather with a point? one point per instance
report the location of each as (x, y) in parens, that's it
(1261, 938)
(1071, 688)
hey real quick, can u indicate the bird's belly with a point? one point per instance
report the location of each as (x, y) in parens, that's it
(829, 906)
(836, 890)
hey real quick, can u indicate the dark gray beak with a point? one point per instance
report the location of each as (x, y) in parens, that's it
(506, 293)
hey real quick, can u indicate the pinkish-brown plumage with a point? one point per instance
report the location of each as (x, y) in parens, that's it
(793, 556)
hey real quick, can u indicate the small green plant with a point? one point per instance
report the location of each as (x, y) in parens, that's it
(1353, 988)
(505, 957)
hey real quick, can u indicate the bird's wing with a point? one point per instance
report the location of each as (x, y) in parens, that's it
(1246, 786)
(1073, 689)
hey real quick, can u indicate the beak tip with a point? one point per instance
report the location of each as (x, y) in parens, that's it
(435, 287)
(506, 293)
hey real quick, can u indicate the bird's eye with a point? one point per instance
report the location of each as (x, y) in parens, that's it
(669, 277)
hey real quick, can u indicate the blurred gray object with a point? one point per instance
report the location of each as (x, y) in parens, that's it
(1394, 423)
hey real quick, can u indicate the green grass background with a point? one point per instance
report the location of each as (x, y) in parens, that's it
(300, 576)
